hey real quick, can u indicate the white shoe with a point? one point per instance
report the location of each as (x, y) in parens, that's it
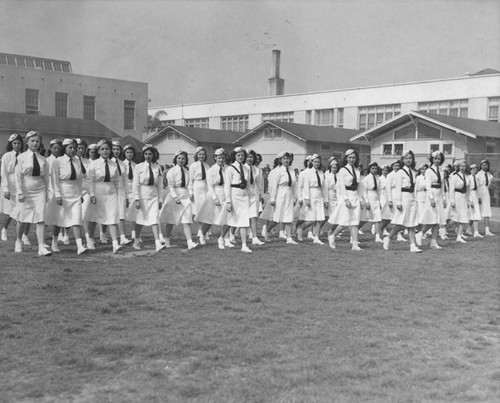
(464, 236)
(117, 249)
(228, 244)
(434, 245)
(300, 236)
(385, 233)
(401, 238)
(90, 245)
(282, 235)
(378, 239)
(55, 248)
(4, 234)
(317, 241)
(124, 240)
(81, 250)
(442, 234)
(159, 246)
(44, 251)
(18, 246)
(207, 235)
(487, 232)
(161, 237)
(310, 235)
(167, 243)
(331, 241)
(373, 230)
(191, 244)
(356, 248)
(257, 241)
(386, 242)
(66, 240)
(360, 232)
(199, 233)
(469, 232)
(25, 240)
(461, 240)
(232, 238)
(202, 240)
(290, 241)
(220, 242)
(418, 238)
(477, 235)
(104, 239)
(415, 249)
(60, 237)
(246, 249)
(136, 245)
(264, 231)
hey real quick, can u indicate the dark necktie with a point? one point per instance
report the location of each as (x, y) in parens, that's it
(335, 177)
(36, 166)
(289, 178)
(463, 180)
(318, 178)
(183, 178)
(446, 185)
(475, 183)
(118, 167)
(354, 179)
(251, 175)
(203, 173)
(107, 175)
(130, 171)
(151, 181)
(17, 153)
(242, 174)
(221, 177)
(374, 182)
(438, 175)
(72, 177)
(84, 171)
(486, 177)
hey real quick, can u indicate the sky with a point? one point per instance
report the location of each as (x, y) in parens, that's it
(203, 51)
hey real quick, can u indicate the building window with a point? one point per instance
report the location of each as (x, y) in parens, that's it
(325, 147)
(172, 135)
(39, 64)
(489, 148)
(308, 117)
(445, 148)
(11, 60)
(340, 117)
(66, 67)
(3, 59)
(456, 107)
(57, 66)
(201, 123)
(493, 106)
(129, 115)
(369, 116)
(428, 132)
(21, 61)
(323, 117)
(278, 117)
(393, 149)
(47, 64)
(235, 123)
(29, 63)
(88, 107)
(61, 105)
(31, 102)
(165, 123)
(272, 134)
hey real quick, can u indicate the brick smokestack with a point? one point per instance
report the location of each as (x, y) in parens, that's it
(276, 84)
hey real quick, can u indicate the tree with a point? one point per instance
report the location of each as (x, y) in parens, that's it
(154, 121)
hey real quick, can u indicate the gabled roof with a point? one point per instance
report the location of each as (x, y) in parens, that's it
(51, 125)
(485, 71)
(307, 132)
(137, 144)
(197, 135)
(468, 127)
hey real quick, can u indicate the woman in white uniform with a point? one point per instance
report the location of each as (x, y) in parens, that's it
(198, 181)
(103, 180)
(460, 199)
(255, 188)
(177, 208)
(331, 188)
(237, 196)
(299, 212)
(8, 184)
(147, 186)
(371, 198)
(32, 186)
(65, 210)
(406, 212)
(213, 211)
(474, 212)
(434, 212)
(348, 210)
(484, 181)
(123, 196)
(315, 197)
(129, 155)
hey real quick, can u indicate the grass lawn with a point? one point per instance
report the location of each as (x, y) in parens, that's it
(284, 324)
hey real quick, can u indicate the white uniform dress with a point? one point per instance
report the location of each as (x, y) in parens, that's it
(239, 198)
(446, 197)
(150, 195)
(70, 190)
(371, 196)
(122, 188)
(475, 211)
(404, 195)
(283, 192)
(331, 188)
(460, 195)
(34, 188)
(420, 195)
(348, 189)
(171, 212)
(254, 190)
(483, 192)
(129, 177)
(314, 191)
(8, 182)
(105, 210)
(299, 212)
(388, 184)
(84, 166)
(198, 184)
(210, 213)
(434, 185)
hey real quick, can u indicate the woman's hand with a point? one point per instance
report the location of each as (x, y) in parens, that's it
(92, 199)
(480, 201)
(390, 204)
(444, 203)
(273, 203)
(137, 204)
(177, 200)
(433, 204)
(301, 201)
(20, 198)
(367, 206)
(326, 204)
(59, 201)
(399, 207)
(7, 195)
(348, 203)
(229, 208)
(452, 205)
(127, 203)
(217, 202)
(191, 197)
(308, 203)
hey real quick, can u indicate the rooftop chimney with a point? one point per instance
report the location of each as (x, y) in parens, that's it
(276, 84)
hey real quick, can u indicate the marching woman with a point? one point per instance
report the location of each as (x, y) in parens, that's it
(299, 207)
(198, 182)
(460, 199)
(103, 182)
(8, 184)
(237, 197)
(282, 198)
(443, 233)
(129, 155)
(32, 186)
(387, 183)
(147, 192)
(371, 198)
(177, 208)
(315, 197)
(474, 212)
(266, 232)
(420, 190)
(406, 213)
(65, 210)
(484, 179)
(213, 211)
(348, 210)
(331, 188)
(255, 188)
(123, 197)
(434, 212)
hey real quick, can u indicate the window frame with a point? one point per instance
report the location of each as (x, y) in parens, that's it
(128, 114)
(61, 107)
(86, 107)
(32, 108)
